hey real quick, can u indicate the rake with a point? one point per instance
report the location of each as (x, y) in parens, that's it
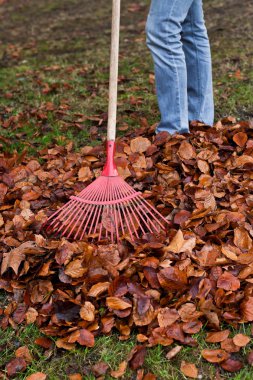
(108, 207)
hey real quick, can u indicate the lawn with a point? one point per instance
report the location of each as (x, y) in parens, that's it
(54, 58)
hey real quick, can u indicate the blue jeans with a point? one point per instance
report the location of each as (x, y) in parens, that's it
(178, 40)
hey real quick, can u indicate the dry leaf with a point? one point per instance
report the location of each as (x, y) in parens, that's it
(84, 174)
(87, 312)
(116, 303)
(75, 269)
(140, 144)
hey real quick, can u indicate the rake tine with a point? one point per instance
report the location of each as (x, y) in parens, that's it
(157, 212)
(100, 208)
(137, 209)
(129, 229)
(93, 219)
(131, 220)
(140, 225)
(95, 199)
(77, 220)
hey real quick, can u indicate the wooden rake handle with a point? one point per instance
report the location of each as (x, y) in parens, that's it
(114, 68)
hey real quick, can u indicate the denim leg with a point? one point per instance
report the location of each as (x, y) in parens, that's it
(199, 65)
(164, 27)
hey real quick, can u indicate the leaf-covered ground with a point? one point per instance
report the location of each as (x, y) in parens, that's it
(54, 68)
(165, 287)
(187, 289)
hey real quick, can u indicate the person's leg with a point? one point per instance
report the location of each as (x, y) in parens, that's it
(199, 66)
(164, 26)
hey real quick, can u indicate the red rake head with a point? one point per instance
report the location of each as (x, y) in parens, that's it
(107, 208)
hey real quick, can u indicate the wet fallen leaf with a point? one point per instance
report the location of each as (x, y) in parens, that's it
(173, 352)
(231, 365)
(189, 369)
(120, 371)
(214, 356)
(75, 376)
(241, 340)
(23, 352)
(215, 337)
(37, 376)
(137, 356)
(15, 366)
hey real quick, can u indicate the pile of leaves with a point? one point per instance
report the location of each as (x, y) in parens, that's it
(164, 287)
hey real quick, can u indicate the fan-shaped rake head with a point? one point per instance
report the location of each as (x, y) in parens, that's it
(107, 208)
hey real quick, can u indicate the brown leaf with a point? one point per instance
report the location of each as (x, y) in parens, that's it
(43, 342)
(23, 352)
(143, 317)
(229, 346)
(1, 220)
(179, 244)
(188, 312)
(243, 160)
(172, 278)
(140, 145)
(86, 338)
(15, 366)
(240, 139)
(75, 269)
(166, 317)
(241, 340)
(117, 303)
(181, 217)
(60, 343)
(137, 356)
(228, 282)
(173, 352)
(149, 376)
(120, 371)
(87, 312)
(250, 358)
(12, 259)
(41, 291)
(186, 151)
(189, 369)
(216, 337)
(75, 376)
(31, 315)
(192, 327)
(37, 376)
(84, 174)
(231, 365)
(247, 309)
(98, 289)
(100, 368)
(214, 356)
(242, 239)
(3, 191)
(203, 166)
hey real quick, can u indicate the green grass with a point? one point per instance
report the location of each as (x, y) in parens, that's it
(58, 364)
